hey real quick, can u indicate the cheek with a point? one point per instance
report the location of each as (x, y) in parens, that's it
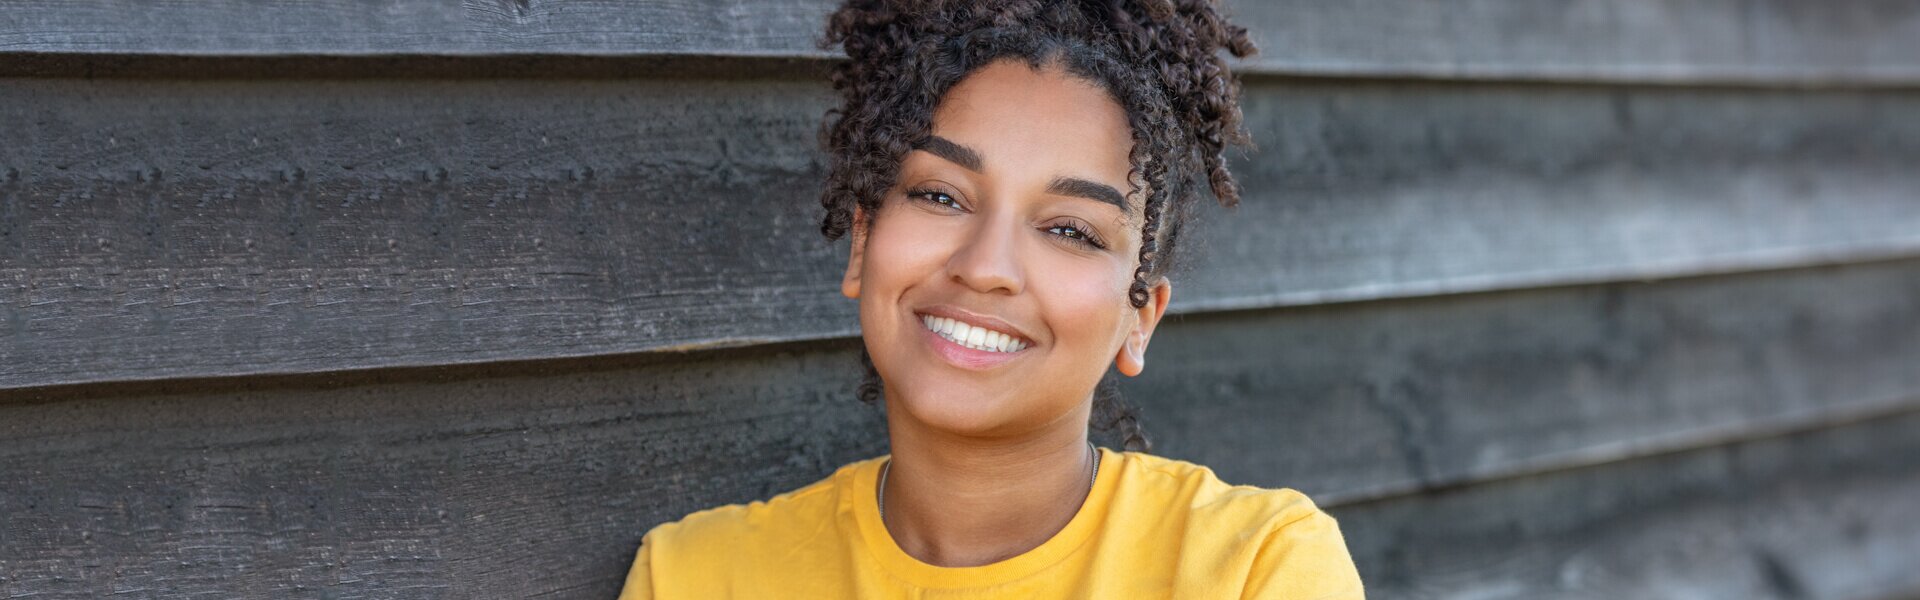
(1085, 301)
(904, 247)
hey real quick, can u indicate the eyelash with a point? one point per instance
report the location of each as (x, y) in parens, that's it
(1082, 234)
(1085, 236)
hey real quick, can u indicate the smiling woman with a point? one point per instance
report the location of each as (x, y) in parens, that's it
(1013, 175)
(983, 235)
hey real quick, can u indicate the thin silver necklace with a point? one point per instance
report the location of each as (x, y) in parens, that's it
(881, 494)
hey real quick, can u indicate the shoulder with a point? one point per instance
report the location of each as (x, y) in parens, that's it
(1284, 544)
(1216, 502)
(786, 519)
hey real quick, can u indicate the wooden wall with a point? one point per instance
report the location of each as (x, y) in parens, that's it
(428, 299)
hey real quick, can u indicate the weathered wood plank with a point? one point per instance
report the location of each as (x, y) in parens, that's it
(1853, 42)
(1746, 41)
(1824, 514)
(1356, 401)
(445, 27)
(512, 481)
(155, 229)
(462, 480)
(1369, 191)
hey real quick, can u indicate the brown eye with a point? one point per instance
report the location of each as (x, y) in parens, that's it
(935, 197)
(1077, 234)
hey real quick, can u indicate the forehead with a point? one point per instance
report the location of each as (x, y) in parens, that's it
(1035, 125)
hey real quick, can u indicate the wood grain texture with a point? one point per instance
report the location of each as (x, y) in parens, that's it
(1852, 42)
(392, 299)
(1745, 41)
(1373, 191)
(495, 482)
(442, 27)
(1355, 401)
(526, 478)
(154, 229)
(1824, 514)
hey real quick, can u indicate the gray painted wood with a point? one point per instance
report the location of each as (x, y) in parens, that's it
(443, 27)
(1851, 42)
(211, 263)
(505, 481)
(1826, 514)
(522, 478)
(1354, 401)
(157, 228)
(1383, 190)
(1748, 41)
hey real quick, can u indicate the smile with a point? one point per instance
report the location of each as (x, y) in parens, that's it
(973, 336)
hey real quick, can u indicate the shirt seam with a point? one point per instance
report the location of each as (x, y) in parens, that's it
(1170, 472)
(1271, 531)
(1037, 571)
(872, 553)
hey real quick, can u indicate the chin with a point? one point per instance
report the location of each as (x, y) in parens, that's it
(956, 411)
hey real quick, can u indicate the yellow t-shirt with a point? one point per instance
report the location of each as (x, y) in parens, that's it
(1152, 528)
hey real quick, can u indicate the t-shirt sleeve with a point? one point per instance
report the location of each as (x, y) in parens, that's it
(640, 578)
(1304, 559)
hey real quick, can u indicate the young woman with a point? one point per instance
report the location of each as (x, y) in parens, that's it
(1013, 174)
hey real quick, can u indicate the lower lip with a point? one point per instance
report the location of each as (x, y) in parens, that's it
(964, 357)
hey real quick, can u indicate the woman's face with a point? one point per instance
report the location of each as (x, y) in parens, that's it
(993, 279)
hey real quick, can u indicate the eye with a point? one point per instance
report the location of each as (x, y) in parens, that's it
(935, 197)
(1077, 233)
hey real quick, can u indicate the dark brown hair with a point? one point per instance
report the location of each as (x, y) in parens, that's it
(1158, 59)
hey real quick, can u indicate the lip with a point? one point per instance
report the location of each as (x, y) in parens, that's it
(962, 356)
(958, 314)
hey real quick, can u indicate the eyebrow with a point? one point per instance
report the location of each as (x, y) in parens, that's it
(958, 154)
(1074, 186)
(1066, 186)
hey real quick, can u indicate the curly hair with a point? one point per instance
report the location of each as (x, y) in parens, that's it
(1158, 59)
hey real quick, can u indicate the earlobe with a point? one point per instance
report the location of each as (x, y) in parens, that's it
(1132, 359)
(850, 282)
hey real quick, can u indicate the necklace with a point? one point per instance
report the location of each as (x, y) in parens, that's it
(881, 494)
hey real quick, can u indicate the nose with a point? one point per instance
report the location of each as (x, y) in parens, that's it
(988, 261)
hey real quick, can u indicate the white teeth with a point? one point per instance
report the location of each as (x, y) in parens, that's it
(972, 336)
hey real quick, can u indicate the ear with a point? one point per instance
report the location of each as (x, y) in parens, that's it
(1132, 358)
(850, 283)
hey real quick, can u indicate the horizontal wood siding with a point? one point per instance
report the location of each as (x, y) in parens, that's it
(1561, 299)
(1853, 42)
(558, 466)
(230, 227)
(1818, 514)
(480, 482)
(1384, 398)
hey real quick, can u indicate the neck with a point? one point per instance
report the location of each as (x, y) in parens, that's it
(957, 501)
